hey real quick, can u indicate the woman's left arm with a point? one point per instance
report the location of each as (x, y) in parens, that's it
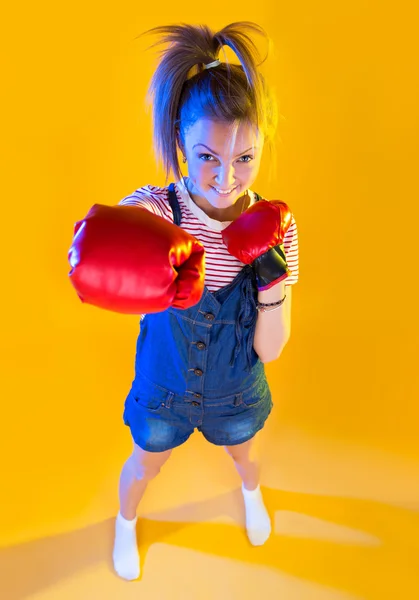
(273, 327)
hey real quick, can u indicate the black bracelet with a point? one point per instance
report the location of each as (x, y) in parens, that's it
(261, 306)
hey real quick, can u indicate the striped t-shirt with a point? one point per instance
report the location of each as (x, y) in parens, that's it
(220, 266)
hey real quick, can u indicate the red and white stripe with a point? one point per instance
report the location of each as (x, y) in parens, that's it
(220, 266)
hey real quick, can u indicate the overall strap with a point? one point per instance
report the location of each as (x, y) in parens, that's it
(174, 203)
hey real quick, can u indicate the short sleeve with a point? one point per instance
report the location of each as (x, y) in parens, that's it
(291, 252)
(152, 198)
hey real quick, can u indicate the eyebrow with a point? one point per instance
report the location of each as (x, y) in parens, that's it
(212, 151)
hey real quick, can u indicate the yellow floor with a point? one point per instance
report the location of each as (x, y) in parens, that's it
(345, 525)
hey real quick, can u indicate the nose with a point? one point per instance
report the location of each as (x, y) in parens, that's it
(225, 179)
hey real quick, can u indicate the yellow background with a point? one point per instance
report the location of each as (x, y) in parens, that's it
(75, 132)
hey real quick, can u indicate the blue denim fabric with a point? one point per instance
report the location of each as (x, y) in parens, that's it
(196, 368)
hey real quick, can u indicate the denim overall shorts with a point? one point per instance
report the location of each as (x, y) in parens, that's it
(196, 368)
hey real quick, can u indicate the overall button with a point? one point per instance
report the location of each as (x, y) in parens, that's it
(195, 404)
(198, 372)
(209, 317)
(196, 395)
(200, 345)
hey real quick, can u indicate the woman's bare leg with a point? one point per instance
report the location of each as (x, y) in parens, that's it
(258, 523)
(140, 468)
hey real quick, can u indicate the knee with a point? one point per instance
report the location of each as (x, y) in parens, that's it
(145, 468)
(145, 472)
(237, 454)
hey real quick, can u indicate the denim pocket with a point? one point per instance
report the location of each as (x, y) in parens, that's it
(153, 403)
(147, 395)
(253, 402)
(257, 394)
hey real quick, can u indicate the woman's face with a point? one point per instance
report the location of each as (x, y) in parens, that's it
(221, 158)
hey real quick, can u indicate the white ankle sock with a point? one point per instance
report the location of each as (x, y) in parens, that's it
(126, 559)
(258, 523)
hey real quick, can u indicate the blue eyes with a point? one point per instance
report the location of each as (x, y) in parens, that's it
(245, 156)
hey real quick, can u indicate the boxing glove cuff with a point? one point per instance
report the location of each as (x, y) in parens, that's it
(271, 268)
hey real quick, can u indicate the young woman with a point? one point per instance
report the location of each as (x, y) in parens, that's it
(203, 366)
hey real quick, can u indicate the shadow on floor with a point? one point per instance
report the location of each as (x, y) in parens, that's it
(388, 569)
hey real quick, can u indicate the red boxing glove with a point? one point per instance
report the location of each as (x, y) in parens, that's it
(129, 260)
(256, 237)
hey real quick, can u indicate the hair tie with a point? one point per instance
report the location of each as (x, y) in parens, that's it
(215, 63)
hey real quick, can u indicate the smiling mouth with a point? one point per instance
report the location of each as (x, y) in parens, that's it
(221, 194)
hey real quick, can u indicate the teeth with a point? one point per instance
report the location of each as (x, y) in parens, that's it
(224, 192)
